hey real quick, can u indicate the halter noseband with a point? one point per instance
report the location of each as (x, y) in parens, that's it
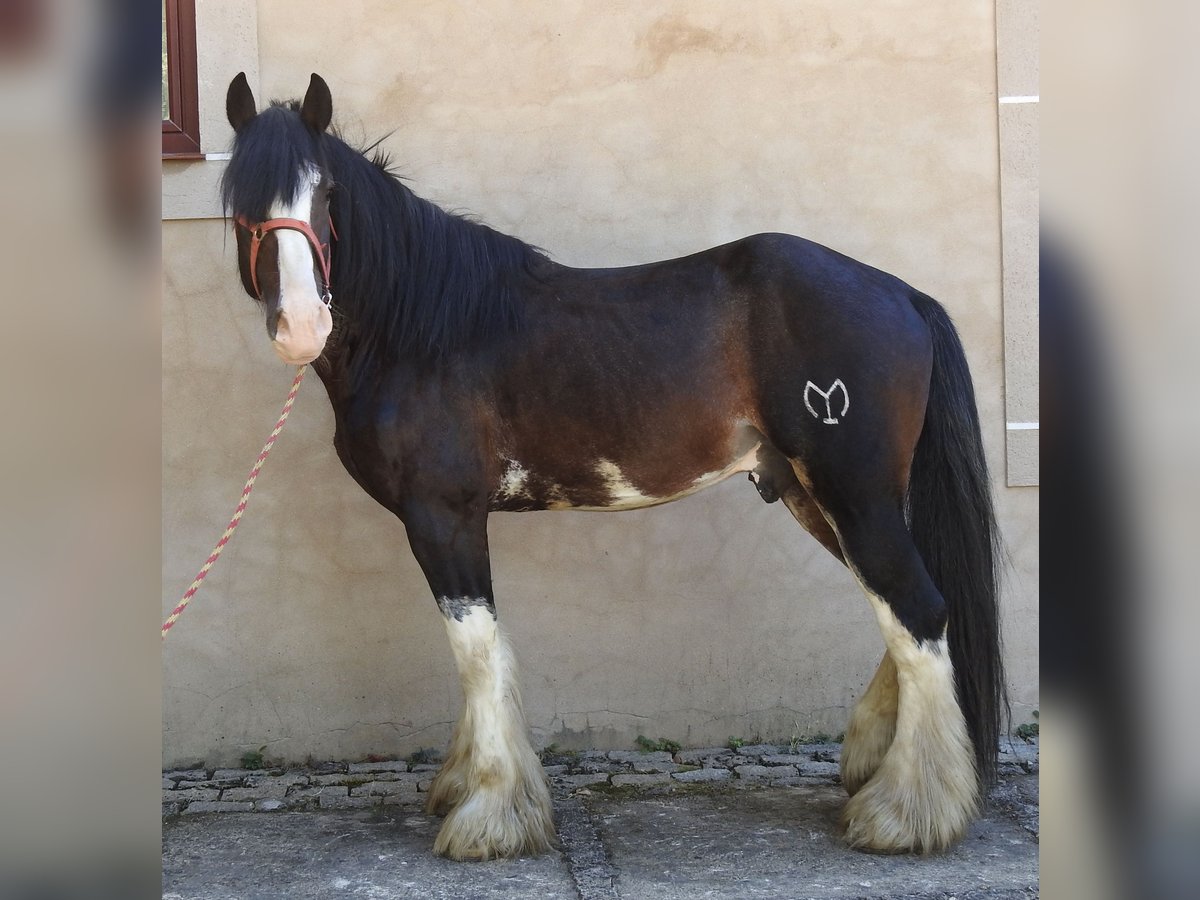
(321, 251)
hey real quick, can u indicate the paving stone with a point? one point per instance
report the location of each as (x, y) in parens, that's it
(659, 778)
(582, 780)
(738, 760)
(815, 769)
(187, 774)
(189, 795)
(424, 784)
(168, 784)
(270, 805)
(821, 752)
(301, 794)
(655, 766)
(594, 754)
(757, 750)
(212, 806)
(391, 766)
(362, 778)
(287, 778)
(700, 754)
(426, 767)
(700, 776)
(233, 774)
(172, 809)
(223, 778)
(330, 779)
(551, 771)
(383, 788)
(261, 792)
(327, 768)
(407, 777)
(785, 759)
(766, 773)
(607, 766)
(631, 756)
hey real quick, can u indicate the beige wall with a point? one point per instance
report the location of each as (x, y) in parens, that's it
(645, 131)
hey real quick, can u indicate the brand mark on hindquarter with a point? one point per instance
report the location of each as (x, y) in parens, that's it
(828, 397)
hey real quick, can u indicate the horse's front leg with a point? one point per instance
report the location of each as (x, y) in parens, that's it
(491, 788)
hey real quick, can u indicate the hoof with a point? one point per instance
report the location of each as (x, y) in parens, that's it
(488, 826)
(884, 817)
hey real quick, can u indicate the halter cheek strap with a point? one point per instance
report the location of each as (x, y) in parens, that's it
(322, 252)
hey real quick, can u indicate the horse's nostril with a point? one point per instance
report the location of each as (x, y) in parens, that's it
(278, 328)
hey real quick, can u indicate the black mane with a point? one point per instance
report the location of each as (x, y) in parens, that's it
(409, 279)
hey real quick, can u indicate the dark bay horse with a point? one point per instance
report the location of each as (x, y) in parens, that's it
(471, 374)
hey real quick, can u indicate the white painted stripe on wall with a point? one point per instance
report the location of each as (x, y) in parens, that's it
(1023, 426)
(217, 156)
(1033, 98)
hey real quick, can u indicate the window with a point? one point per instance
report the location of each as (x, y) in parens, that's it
(180, 104)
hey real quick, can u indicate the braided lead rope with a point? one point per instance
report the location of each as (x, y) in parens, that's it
(241, 507)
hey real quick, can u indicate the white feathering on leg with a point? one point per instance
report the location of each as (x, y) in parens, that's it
(872, 728)
(492, 782)
(926, 790)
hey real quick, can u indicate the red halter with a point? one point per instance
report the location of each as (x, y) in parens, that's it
(322, 251)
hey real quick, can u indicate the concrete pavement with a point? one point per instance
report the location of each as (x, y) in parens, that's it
(744, 837)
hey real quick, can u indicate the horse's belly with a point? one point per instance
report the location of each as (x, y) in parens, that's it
(610, 487)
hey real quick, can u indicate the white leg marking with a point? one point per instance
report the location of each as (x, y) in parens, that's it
(872, 727)
(925, 791)
(492, 782)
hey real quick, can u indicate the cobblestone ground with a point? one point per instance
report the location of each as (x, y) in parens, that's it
(759, 820)
(340, 785)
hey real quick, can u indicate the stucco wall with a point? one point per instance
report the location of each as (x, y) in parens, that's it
(640, 132)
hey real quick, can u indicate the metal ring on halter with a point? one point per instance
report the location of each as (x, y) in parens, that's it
(327, 298)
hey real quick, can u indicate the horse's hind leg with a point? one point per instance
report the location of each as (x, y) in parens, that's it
(924, 791)
(873, 723)
(492, 788)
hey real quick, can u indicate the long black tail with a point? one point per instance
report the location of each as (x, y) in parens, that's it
(953, 524)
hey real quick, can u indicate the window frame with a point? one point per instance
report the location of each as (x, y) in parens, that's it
(181, 130)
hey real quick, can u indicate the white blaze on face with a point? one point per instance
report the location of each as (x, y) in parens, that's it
(305, 321)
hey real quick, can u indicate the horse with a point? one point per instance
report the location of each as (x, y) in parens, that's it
(469, 373)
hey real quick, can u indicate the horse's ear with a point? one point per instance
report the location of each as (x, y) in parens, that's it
(317, 109)
(239, 102)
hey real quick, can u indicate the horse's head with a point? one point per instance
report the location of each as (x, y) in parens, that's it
(277, 187)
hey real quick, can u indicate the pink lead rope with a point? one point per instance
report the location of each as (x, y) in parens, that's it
(241, 507)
